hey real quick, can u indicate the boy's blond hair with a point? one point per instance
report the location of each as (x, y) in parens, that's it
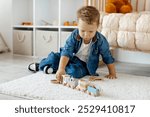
(88, 14)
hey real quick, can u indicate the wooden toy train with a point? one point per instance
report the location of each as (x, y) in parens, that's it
(81, 85)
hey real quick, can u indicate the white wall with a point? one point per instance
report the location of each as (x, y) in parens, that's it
(5, 21)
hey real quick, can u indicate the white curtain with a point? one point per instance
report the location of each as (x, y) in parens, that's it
(99, 4)
(147, 5)
(140, 5)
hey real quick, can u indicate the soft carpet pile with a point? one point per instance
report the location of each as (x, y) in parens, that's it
(38, 86)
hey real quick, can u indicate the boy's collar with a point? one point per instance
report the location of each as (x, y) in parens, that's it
(79, 38)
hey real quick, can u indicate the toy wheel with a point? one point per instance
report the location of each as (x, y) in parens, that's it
(64, 84)
(67, 85)
(84, 91)
(77, 88)
(88, 92)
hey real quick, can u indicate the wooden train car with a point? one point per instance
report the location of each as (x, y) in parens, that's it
(73, 82)
(92, 90)
(82, 85)
(66, 79)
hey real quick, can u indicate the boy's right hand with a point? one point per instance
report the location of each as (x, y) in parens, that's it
(59, 74)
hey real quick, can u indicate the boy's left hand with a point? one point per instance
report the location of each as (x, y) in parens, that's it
(112, 71)
(111, 76)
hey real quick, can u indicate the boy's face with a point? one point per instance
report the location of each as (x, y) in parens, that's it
(87, 31)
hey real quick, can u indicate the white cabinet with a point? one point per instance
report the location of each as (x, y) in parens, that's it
(44, 17)
(46, 41)
(22, 42)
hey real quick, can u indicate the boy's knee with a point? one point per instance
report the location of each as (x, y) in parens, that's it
(76, 72)
(52, 61)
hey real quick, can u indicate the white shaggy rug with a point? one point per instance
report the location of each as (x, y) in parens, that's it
(38, 86)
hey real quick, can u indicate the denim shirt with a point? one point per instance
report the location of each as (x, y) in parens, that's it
(99, 46)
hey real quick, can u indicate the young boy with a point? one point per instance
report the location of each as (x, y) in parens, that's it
(80, 55)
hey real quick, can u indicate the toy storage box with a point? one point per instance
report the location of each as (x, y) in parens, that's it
(22, 42)
(46, 41)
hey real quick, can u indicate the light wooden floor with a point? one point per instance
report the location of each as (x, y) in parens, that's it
(13, 67)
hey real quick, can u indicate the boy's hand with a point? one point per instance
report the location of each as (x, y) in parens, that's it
(111, 76)
(59, 74)
(112, 71)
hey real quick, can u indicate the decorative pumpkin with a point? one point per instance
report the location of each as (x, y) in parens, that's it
(118, 6)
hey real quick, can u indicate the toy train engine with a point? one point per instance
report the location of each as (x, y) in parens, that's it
(73, 82)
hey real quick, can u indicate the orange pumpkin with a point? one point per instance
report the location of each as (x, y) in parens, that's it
(110, 8)
(125, 9)
(66, 23)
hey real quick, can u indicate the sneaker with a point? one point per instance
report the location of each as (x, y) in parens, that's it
(47, 70)
(34, 67)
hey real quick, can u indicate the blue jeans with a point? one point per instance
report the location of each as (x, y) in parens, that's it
(75, 66)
